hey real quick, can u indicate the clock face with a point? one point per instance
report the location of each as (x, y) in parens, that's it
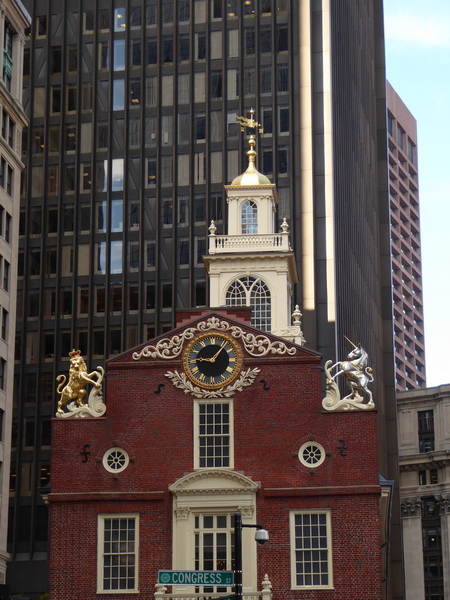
(212, 360)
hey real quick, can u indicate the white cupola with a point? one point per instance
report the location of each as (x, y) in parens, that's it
(252, 265)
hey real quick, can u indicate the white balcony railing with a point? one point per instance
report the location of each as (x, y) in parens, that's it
(274, 242)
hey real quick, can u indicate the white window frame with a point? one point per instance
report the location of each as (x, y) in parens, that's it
(197, 404)
(100, 538)
(115, 460)
(292, 516)
(213, 492)
(214, 530)
(314, 457)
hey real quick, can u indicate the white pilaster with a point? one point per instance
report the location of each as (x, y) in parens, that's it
(412, 542)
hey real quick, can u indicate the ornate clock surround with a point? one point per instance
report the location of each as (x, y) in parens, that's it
(212, 360)
(256, 345)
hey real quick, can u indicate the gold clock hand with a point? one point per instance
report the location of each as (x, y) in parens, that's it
(213, 359)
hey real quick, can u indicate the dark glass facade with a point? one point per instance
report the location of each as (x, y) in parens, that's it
(132, 137)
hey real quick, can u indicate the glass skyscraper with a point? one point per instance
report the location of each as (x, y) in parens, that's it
(132, 136)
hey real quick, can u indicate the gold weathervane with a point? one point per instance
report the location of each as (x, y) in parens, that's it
(243, 122)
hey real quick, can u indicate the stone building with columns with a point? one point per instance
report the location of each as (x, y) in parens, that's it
(14, 19)
(424, 455)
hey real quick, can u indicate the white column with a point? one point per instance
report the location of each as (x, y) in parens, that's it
(412, 548)
(16, 83)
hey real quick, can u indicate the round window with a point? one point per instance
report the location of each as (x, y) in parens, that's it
(116, 460)
(311, 454)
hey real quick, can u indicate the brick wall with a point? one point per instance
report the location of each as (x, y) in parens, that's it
(270, 425)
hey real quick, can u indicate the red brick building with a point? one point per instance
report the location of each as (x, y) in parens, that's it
(211, 419)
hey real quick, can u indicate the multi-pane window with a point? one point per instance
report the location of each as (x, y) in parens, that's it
(119, 19)
(2, 374)
(199, 208)
(429, 477)
(183, 252)
(41, 27)
(215, 207)
(250, 291)
(214, 434)
(283, 79)
(249, 218)
(183, 48)
(214, 543)
(8, 34)
(266, 80)
(311, 549)
(136, 55)
(260, 301)
(283, 119)
(183, 11)
(9, 128)
(183, 209)
(4, 324)
(117, 553)
(200, 249)
(133, 255)
(216, 84)
(426, 430)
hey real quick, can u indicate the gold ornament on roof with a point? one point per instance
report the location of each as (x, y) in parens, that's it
(243, 122)
(251, 176)
(73, 393)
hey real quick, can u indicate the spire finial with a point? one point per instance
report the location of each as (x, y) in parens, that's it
(243, 122)
(296, 315)
(250, 123)
(251, 175)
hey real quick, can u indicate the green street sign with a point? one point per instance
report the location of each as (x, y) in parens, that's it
(196, 577)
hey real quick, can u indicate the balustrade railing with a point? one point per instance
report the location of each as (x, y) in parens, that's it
(232, 243)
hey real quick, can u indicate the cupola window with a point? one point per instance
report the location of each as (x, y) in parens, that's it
(249, 217)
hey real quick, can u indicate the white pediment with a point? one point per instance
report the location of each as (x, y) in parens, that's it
(213, 481)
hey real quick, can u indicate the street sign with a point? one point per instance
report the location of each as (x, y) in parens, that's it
(196, 577)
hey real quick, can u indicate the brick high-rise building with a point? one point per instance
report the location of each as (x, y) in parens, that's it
(132, 137)
(406, 252)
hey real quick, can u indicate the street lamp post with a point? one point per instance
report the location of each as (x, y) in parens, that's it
(261, 537)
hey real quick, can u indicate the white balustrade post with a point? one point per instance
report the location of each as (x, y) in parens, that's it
(266, 593)
(160, 591)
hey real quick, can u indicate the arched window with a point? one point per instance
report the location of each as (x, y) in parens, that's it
(236, 294)
(249, 217)
(253, 292)
(261, 305)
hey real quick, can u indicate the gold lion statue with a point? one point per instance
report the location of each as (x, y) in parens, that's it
(78, 379)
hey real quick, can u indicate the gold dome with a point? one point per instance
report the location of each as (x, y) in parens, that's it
(251, 176)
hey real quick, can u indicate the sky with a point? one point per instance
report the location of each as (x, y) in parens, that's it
(417, 34)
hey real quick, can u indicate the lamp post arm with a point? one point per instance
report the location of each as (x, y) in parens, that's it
(238, 525)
